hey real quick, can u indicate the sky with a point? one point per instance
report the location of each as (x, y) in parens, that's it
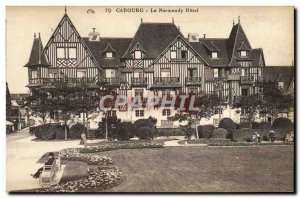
(270, 28)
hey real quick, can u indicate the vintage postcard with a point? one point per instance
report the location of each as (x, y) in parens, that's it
(150, 99)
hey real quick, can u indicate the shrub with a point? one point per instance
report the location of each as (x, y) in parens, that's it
(244, 125)
(282, 123)
(255, 125)
(219, 133)
(265, 125)
(76, 130)
(124, 131)
(228, 125)
(60, 133)
(146, 133)
(143, 123)
(205, 131)
(47, 131)
(246, 134)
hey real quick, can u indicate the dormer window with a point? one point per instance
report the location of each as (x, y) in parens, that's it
(184, 54)
(243, 53)
(108, 55)
(173, 54)
(280, 85)
(214, 55)
(137, 54)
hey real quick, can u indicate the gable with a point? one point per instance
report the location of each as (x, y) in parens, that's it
(67, 49)
(179, 45)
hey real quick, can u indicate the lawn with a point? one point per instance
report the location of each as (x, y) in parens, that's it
(205, 169)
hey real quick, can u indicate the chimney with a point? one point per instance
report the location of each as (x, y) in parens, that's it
(94, 36)
(204, 35)
(193, 37)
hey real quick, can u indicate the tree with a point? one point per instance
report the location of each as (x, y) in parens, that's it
(274, 100)
(64, 97)
(204, 107)
(250, 105)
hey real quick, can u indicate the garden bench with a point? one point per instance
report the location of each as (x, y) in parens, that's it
(49, 172)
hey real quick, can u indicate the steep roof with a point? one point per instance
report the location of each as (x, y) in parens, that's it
(116, 45)
(228, 49)
(279, 74)
(205, 46)
(37, 57)
(237, 40)
(153, 38)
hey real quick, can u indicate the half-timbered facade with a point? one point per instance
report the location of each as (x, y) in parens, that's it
(157, 61)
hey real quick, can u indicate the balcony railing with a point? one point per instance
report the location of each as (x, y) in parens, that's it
(193, 80)
(111, 81)
(166, 80)
(139, 81)
(247, 79)
(51, 81)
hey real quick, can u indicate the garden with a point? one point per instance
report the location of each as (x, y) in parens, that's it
(101, 173)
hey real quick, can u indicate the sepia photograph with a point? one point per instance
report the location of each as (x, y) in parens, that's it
(150, 99)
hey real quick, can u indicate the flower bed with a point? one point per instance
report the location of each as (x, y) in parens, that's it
(98, 179)
(73, 154)
(208, 141)
(120, 145)
(249, 143)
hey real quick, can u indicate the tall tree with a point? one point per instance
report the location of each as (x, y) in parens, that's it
(205, 107)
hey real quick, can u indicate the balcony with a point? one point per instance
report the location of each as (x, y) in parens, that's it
(111, 82)
(139, 82)
(247, 79)
(166, 82)
(193, 80)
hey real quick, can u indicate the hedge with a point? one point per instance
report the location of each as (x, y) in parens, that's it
(49, 131)
(229, 125)
(146, 133)
(282, 123)
(170, 132)
(124, 131)
(205, 131)
(220, 133)
(76, 130)
(246, 134)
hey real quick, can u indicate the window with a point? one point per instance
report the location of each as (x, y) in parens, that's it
(108, 55)
(111, 113)
(72, 52)
(138, 74)
(165, 73)
(243, 53)
(184, 54)
(280, 85)
(34, 74)
(218, 110)
(216, 73)
(216, 121)
(139, 113)
(66, 52)
(139, 93)
(110, 73)
(173, 54)
(192, 90)
(192, 72)
(166, 112)
(137, 54)
(81, 73)
(166, 93)
(214, 54)
(244, 92)
(53, 75)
